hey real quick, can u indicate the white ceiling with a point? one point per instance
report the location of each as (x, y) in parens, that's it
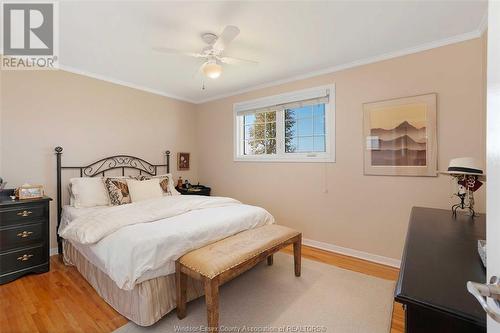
(113, 40)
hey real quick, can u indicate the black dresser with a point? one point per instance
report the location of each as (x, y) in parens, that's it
(24, 237)
(440, 256)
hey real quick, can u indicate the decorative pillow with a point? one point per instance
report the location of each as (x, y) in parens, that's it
(88, 192)
(117, 190)
(144, 189)
(166, 183)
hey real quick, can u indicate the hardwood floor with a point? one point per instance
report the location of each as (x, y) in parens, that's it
(62, 301)
(58, 301)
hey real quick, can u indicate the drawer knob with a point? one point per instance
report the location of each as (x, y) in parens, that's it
(24, 234)
(25, 257)
(24, 213)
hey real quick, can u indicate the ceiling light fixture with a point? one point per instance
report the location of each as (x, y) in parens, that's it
(213, 54)
(212, 69)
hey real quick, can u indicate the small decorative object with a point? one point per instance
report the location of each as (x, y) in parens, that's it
(29, 192)
(400, 136)
(179, 182)
(2, 184)
(469, 178)
(186, 184)
(481, 248)
(183, 161)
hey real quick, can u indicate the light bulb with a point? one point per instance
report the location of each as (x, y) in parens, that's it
(212, 70)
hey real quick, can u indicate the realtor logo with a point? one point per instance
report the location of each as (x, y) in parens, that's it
(29, 35)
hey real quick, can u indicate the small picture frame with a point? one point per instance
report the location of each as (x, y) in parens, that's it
(183, 161)
(30, 192)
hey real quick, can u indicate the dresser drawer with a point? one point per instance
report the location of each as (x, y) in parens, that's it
(22, 214)
(17, 260)
(22, 236)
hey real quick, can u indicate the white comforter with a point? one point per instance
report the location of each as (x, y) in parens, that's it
(93, 227)
(140, 241)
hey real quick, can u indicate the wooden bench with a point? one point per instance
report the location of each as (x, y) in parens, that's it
(222, 261)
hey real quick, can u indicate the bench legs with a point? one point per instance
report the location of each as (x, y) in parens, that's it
(297, 246)
(211, 298)
(212, 285)
(181, 290)
(212, 301)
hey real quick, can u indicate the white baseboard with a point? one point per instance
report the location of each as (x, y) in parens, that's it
(53, 251)
(331, 248)
(353, 253)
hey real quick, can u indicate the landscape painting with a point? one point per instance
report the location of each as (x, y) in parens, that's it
(400, 136)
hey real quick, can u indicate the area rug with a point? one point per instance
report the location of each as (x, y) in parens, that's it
(271, 299)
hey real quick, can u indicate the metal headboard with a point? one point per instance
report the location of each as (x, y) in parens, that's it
(99, 168)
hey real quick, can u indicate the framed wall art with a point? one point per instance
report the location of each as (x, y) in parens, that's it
(183, 161)
(400, 136)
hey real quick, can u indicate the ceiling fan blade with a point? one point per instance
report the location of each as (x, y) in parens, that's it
(237, 61)
(178, 52)
(230, 32)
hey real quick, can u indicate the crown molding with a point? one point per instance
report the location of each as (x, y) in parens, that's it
(477, 33)
(365, 61)
(123, 83)
(483, 25)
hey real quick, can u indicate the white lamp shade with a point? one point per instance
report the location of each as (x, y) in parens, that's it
(212, 70)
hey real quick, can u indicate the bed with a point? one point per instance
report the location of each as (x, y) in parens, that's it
(128, 252)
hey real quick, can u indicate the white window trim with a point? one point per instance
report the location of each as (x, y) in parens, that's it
(240, 108)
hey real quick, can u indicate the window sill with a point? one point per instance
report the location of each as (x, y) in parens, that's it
(285, 159)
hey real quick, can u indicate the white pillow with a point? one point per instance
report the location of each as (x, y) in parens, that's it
(171, 185)
(144, 189)
(88, 192)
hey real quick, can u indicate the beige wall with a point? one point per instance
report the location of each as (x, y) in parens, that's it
(365, 213)
(1, 105)
(90, 119)
(331, 203)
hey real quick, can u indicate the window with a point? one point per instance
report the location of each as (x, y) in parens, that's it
(260, 133)
(291, 127)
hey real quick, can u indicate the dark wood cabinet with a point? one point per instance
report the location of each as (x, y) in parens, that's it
(24, 237)
(440, 256)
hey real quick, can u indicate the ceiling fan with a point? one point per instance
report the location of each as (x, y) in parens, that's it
(213, 53)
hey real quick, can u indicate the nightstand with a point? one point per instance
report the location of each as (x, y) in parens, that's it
(195, 190)
(24, 236)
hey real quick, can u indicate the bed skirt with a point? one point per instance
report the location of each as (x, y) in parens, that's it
(147, 303)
